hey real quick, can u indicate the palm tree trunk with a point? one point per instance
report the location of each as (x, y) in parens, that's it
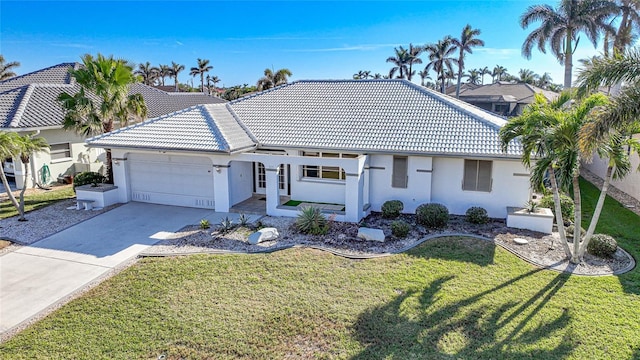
(24, 188)
(559, 220)
(568, 60)
(458, 85)
(175, 80)
(8, 189)
(596, 212)
(577, 222)
(202, 81)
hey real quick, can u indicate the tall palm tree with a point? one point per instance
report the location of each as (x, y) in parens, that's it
(103, 99)
(163, 72)
(400, 61)
(175, 70)
(527, 76)
(498, 72)
(26, 146)
(6, 71)
(424, 74)
(630, 19)
(473, 77)
(414, 53)
(623, 109)
(544, 80)
(440, 58)
(560, 28)
(8, 148)
(468, 40)
(484, 71)
(203, 67)
(272, 79)
(148, 73)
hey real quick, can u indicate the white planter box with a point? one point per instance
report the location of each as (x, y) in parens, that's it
(103, 195)
(540, 221)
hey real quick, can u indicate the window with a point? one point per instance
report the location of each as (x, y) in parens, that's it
(399, 178)
(324, 171)
(477, 175)
(60, 151)
(262, 177)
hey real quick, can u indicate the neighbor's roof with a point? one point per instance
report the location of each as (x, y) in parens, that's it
(30, 100)
(507, 92)
(209, 127)
(370, 115)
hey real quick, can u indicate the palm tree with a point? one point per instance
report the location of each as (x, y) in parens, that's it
(203, 67)
(527, 76)
(26, 146)
(6, 71)
(484, 71)
(473, 76)
(544, 80)
(468, 40)
(377, 76)
(498, 72)
(440, 58)
(163, 72)
(175, 70)
(400, 61)
(148, 73)
(8, 148)
(424, 74)
(272, 79)
(624, 36)
(560, 28)
(623, 109)
(362, 75)
(103, 99)
(413, 58)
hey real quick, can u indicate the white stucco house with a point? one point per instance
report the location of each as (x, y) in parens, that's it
(346, 142)
(28, 104)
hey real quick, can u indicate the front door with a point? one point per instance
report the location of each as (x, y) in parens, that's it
(261, 179)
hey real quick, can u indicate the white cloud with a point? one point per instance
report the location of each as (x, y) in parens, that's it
(363, 47)
(498, 53)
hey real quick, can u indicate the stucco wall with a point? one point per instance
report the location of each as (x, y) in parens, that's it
(509, 188)
(418, 189)
(240, 181)
(630, 184)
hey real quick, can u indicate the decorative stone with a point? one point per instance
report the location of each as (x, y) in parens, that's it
(371, 234)
(520, 241)
(264, 234)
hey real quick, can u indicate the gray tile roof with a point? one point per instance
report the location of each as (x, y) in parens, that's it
(370, 115)
(30, 100)
(504, 91)
(209, 127)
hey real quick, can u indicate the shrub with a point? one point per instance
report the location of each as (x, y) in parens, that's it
(477, 215)
(226, 225)
(400, 228)
(571, 229)
(391, 209)
(566, 205)
(88, 177)
(432, 215)
(312, 221)
(205, 224)
(602, 245)
(243, 219)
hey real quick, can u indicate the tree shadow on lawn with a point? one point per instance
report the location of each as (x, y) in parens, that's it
(466, 328)
(457, 248)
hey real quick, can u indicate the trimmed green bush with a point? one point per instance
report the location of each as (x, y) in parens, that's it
(477, 215)
(602, 245)
(312, 221)
(88, 177)
(571, 229)
(400, 228)
(391, 209)
(566, 205)
(432, 215)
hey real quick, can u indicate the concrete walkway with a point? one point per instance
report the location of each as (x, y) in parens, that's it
(36, 277)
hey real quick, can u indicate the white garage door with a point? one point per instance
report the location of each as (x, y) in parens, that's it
(171, 180)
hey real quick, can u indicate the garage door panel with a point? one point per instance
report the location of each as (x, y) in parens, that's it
(172, 180)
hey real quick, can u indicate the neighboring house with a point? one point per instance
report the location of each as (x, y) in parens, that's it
(451, 90)
(28, 103)
(352, 143)
(504, 98)
(630, 184)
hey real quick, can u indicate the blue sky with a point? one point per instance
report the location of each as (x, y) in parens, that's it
(314, 39)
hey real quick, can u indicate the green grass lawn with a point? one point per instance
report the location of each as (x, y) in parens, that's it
(452, 298)
(37, 201)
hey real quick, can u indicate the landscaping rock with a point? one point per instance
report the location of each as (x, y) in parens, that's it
(264, 234)
(520, 241)
(371, 234)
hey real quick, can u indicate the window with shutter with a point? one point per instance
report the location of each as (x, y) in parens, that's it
(399, 178)
(477, 175)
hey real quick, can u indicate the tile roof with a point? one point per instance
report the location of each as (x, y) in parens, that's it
(210, 127)
(370, 115)
(505, 91)
(30, 100)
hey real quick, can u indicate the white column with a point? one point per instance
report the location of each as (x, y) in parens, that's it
(120, 166)
(353, 197)
(221, 188)
(272, 193)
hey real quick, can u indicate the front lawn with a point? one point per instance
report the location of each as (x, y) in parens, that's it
(37, 201)
(452, 298)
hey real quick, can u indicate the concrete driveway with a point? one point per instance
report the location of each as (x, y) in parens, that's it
(47, 272)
